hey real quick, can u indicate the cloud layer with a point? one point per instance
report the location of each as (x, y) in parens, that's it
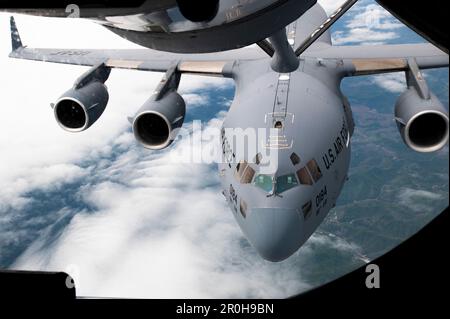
(137, 241)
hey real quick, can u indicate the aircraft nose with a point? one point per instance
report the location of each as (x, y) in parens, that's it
(276, 233)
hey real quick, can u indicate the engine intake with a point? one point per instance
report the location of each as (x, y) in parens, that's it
(77, 109)
(423, 124)
(157, 122)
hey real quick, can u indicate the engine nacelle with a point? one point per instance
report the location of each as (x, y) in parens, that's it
(156, 124)
(77, 109)
(423, 124)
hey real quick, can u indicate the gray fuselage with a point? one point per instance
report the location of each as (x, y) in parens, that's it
(286, 150)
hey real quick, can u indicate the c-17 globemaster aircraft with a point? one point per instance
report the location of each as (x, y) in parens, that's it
(286, 140)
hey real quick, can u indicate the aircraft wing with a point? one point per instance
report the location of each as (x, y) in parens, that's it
(214, 64)
(365, 60)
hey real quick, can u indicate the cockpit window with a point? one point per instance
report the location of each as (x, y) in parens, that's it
(243, 208)
(307, 210)
(258, 158)
(244, 172)
(248, 175)
(304, 177)
(286, 182)
(314, 169)
(283, 183)
(264, 182)
(295, 159)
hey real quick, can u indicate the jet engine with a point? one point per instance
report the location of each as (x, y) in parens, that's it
(423, 123)
(157, 123)
(82, 105)
(78, 109)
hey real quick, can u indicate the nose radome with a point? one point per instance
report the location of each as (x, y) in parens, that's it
(276, 233)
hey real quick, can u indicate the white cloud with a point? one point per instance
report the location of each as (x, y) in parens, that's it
(45, 178)
(417, 200)
(195, 100)
(392, 82)
(362, 35)
(374, 16)
(369, 24)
